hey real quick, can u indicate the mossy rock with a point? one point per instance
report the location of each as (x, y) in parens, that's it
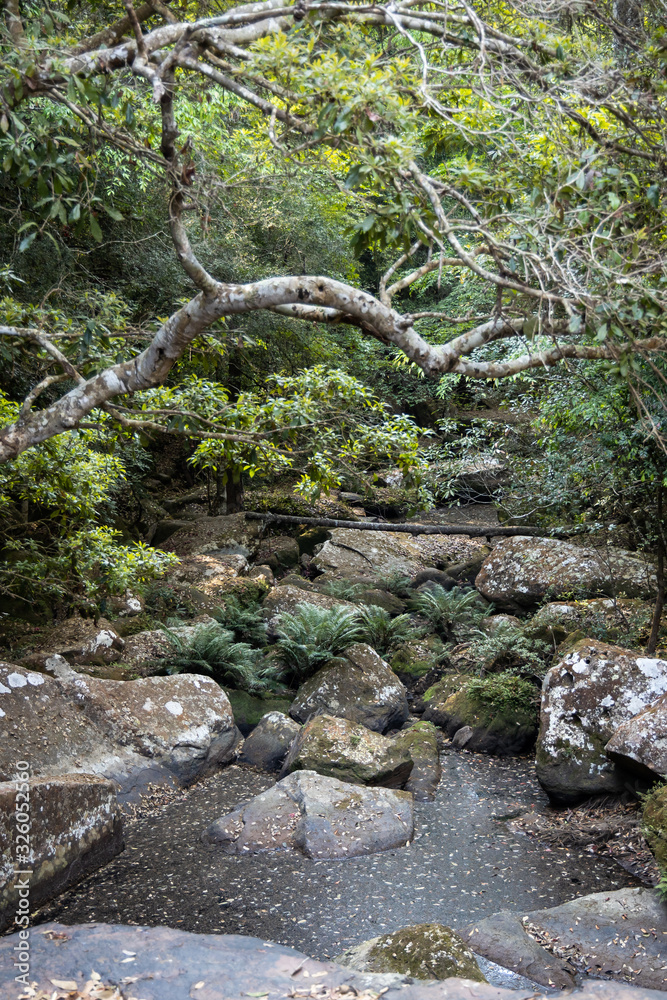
(442, 689)
(501, 710)
(286, 502)
(417, 656)
(421, 741)
(423, 951)
(248, 709)
(655, 825)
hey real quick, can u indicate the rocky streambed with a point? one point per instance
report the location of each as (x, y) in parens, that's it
(464, 864)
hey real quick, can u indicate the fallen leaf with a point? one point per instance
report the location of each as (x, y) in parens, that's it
(64, 984)
(198, 986)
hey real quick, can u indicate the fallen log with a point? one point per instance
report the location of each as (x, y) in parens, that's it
(473, 531)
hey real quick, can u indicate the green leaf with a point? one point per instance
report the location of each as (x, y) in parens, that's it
(95, 230)
(26, 241)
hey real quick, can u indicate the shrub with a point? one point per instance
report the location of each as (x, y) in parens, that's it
(344, 590)
(310, 635)
(212, 650)
(243, 619)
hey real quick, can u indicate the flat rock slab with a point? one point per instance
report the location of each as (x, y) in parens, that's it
(585, 698)
(350, 752)
(521, 571)
(620, 935)
(318, 816)
(351, 553)
(230, 532)
(167, 965)
(360, 686)
(75, 828)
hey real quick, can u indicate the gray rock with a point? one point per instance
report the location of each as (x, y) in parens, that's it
(421, 741)
(146, 647)
(359, 686)
(80, 641)
(319, 817)
(75, 828)
(213, 573)
(503, 939)
(350, 752)
(157, 730)
(521, 571)
(267, 745)
(585, 698)
(381, 599)
(230, 533)
(168, 962)
(641, 743)
(462, 736)
(351, 553)
(279, 552)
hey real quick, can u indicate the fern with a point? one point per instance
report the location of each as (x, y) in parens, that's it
(450, 611)
(398, 584)
(383, 632)
(212, 650)
(508, 649)
(310, 636)
(244, 620)
(344, 590)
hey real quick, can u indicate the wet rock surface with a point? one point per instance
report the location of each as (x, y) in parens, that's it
(503, 939)
(168, 964)
(521, 571)
(463, 864)
(319, 816)
(75, 828)
(350, 752)
(585, 697)
(359, 686)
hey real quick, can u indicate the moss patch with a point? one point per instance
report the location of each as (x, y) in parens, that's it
(423, 951)
(416, 658)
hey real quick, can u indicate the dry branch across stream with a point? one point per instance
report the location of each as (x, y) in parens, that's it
(473, 531)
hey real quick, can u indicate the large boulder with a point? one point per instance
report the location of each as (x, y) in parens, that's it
(609, 617)
(280, 552)
(522, 571)
(420, 740)
(157, 730)
(586, 696)
(319, 817)
(288, 598)
(79, 641)
(416, 657)
(75, 827)
(143, 649)
(229, 533)
(213, 573)
(352, 553)
(349, 751)
(499, 713)
(358, 686)
(422, 951)
(615, 935)
(640, 744)
(267, 745)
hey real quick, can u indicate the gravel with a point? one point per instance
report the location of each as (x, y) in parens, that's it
(465, 862)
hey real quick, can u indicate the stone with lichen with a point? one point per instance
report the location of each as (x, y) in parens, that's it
(423, 951)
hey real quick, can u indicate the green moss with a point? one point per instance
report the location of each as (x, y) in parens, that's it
(655, 828)
(418, 657)
(499, 700)
(445, 687)
(423, 951)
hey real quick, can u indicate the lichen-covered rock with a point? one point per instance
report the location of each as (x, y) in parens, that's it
(229, 533)
(358, 686)
(146, 648)
(521, 571)
(158, 730)
(381, 599)
(585, 698)
(417, 656)
(500, 709)
(267, 745)
(350, 752)
(213, 573)
(318, 816)
(280, 599)
(423, 951)
(655, 825)
(641, 743)
(185, 723)
(421, 741)
(609, 617)
(75, 827)
(351, 553)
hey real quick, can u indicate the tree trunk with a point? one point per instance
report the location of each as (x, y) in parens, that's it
(234, 493)
(660, 598)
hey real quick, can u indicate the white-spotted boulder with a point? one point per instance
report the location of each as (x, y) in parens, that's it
(358, 686)
(522, 571)
(349, 751)
(267, 745)
(319, 817)
(640, 744)
(586, 696)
